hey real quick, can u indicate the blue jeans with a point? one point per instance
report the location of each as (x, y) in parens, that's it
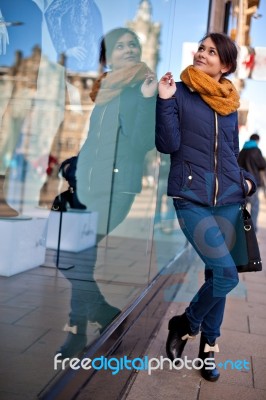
(212, 233)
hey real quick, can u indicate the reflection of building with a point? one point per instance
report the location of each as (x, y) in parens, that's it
(74, 128)
(34, 105)
(24, 77)
(148, 32)
(237, 14)
(240, 12)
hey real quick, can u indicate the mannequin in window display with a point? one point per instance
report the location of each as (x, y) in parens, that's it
(33, 110)
(72, 28)
(4, 39)
(30, 120)
(35, 114)
(6, 90)
(110, 164)
(75, 28)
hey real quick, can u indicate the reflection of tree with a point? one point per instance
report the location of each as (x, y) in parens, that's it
(75, 28)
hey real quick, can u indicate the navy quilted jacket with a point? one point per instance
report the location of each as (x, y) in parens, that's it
(121, 133)
(204, 148)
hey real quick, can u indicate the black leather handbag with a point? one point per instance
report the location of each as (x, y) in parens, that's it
(251, 260)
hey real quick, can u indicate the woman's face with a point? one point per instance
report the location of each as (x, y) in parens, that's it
(126, 52)
(207, 60)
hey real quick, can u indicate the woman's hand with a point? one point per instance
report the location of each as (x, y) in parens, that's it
(167, 86)
(149, 86)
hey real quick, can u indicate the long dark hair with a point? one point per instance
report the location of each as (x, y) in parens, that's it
(226, 48)
(109, 40)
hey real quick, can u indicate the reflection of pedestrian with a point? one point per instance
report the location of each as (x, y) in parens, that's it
(161, 193)
(197, 124)
(251, 159)
(249, 62)
(110, 163)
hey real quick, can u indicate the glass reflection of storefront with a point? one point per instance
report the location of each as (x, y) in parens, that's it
(89, 247)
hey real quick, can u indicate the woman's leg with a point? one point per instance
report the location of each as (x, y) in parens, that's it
(211, 231)
(210, 326)
(87, 301)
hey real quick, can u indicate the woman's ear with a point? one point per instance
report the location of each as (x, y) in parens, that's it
(225, 69)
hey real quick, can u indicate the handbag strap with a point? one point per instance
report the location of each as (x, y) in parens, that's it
(246, 214)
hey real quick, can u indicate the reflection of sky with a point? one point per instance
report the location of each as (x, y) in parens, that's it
(255, 91)
(189, 17)
(22, 37)
(185, 15)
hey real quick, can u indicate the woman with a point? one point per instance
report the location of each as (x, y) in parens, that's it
(110, 163)
(196, 123)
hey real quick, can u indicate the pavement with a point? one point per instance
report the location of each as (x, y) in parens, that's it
(242, 356)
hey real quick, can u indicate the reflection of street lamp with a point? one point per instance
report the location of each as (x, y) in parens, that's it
(4, 39)
(257, 15)
(6, 23)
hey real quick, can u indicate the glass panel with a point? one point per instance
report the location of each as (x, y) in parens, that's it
(81, 264)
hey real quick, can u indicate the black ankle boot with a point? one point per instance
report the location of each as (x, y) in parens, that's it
(76, 340)
(65, 199)
(60, 203)
(73, 199)
(104, 315)
(179, 333)
(207, 350)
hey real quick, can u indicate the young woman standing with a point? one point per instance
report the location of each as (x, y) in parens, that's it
(196, 123)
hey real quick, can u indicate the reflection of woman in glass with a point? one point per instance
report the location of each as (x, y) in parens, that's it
(110, 163)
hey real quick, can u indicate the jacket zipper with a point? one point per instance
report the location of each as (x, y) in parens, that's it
(190, 177)
(104, 110)
(216, 186)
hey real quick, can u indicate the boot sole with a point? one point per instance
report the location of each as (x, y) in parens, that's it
(210, 379)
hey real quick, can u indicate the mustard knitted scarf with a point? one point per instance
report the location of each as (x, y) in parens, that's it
(221, 96)
(111, 84)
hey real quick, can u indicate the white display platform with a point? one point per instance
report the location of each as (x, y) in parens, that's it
(22, 244)
(37, 212)
(78, 231)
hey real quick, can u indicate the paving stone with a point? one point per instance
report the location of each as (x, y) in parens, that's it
(257, 325)
(165, 385)
(219, 391)
(259, 368)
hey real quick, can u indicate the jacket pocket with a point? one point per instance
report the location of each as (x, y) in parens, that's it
(187, 176)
